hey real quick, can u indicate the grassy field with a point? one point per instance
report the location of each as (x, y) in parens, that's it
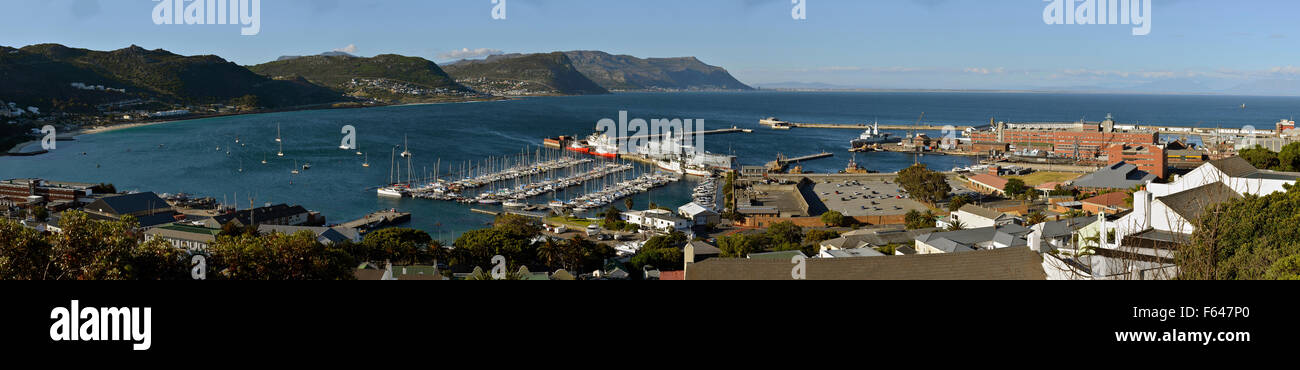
(1043, 177)
(576, 223)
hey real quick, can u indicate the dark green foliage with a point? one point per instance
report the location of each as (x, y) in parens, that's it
(1246, 239)
(784, 233)
(741, 245)
(664, 252)
(1260, 157)
(818, 236)
(919, 220)
(923, 184)
(399, 246)
(957, 202)
(1015, 188)
(836, 219)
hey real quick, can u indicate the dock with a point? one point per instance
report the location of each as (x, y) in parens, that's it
(782, 125)
(379, 220)
(508, 211)
(782, 161)
(732, 130)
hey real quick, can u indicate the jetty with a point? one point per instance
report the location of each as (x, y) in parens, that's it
(783, 125)
(782, 161)
(379, 220)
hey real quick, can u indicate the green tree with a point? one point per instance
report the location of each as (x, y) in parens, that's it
(24, 253)
(818, 236)
(664, 252)
(919, 220)
(40, 214)
(1285, 269)
(1243, 239)
(1289, 158)
(628, 202)
(784, 232)
(398, 245)
(1261, 157)
(956, 226)
(957, 202)
(835, 219)
(1015, 187)
(740, 245)
(923, 184)
(1035, 218)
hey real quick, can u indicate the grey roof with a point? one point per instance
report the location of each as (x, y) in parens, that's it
(786, 255)
(981, 211)
(1121, 175)
(966, 240)
(1190, 204)
(1055, 229)
(262, 213)
(1240, 168)
(321, 232)
(128, 203)
(846, 242)
(1003, 264)
(703, 249)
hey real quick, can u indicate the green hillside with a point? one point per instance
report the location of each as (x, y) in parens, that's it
(623, 72)
(383, 77)
(530, 74)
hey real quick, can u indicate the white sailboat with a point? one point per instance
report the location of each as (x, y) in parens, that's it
(295, 168)
(367, 162)
(392, 190)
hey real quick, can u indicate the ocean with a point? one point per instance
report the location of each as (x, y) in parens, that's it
(183, 156)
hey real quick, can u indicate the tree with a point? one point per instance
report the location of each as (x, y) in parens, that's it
(740, 245)
(1015, 187)
(40, 214)
(1261, 157)
(278, 257)
(664, 252)
(628, 202)
(784, 232)
(1035, 218)
(957, 202)
(923, 184)
(1244, 239)
(818, 236)
(835, 219)
(956, 226)
(919, 220)
(1289, 158)
(398, 245)
(24, 252)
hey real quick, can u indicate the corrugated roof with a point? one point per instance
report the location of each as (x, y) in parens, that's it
(990, 180)
(1001, 264)
(1116, 199)
(981, 211)
(129, 203)
(1118, 176)
(1190, 204)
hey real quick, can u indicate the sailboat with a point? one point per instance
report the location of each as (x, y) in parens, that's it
(277, 132)
(367, 162)
(295, 168)
(263, 159)
(281, 152)
(406, 151)
(392, 190)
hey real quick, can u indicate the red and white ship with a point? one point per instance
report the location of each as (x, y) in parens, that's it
(598, 145)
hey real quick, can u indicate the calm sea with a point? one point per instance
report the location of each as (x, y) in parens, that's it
(183, 156)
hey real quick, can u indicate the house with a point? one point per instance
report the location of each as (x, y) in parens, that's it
(973, 217)
(1120, 175)
(1060, 234)
(697, 251)
(656, 219)
(147, 208)
(699, 215)
(1002, 264)
(986, 183)
(281, 214)
(993, 237)
(189, 238)
(1111, 203)
(324, 235)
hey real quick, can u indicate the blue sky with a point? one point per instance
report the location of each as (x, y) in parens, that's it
(943, 44)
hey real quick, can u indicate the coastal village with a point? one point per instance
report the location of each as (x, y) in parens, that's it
(1061, 201)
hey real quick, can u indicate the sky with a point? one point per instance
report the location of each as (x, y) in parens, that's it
(1193, 45)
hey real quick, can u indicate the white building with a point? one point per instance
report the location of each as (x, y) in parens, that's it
(974, 217)
(656, 219)
(698, 214)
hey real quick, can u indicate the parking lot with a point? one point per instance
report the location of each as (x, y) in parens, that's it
(866, 198)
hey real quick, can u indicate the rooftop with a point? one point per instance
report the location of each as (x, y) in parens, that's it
(1121, 175)
(1114, 200)
(1001, 264)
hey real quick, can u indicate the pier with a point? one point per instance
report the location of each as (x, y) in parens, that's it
(782, 125)
(378, 220)
(732, 130)
(782, 162)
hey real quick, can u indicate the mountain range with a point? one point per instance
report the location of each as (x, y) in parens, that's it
(60, 78)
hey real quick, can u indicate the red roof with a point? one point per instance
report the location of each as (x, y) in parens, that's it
(1048, 186)
(1116, 199)
(672, 275)
(990, 180)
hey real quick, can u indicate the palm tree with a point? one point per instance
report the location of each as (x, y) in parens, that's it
(550, 252)
(1036, 218)
(956, 226)
(629, 203)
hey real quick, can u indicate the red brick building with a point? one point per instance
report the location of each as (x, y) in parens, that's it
(1075, 140)
(1149, 158)
(17, 191)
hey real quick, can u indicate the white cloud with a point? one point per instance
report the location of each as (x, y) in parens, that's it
(985, 71)
(350, 49)
(467, 53)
